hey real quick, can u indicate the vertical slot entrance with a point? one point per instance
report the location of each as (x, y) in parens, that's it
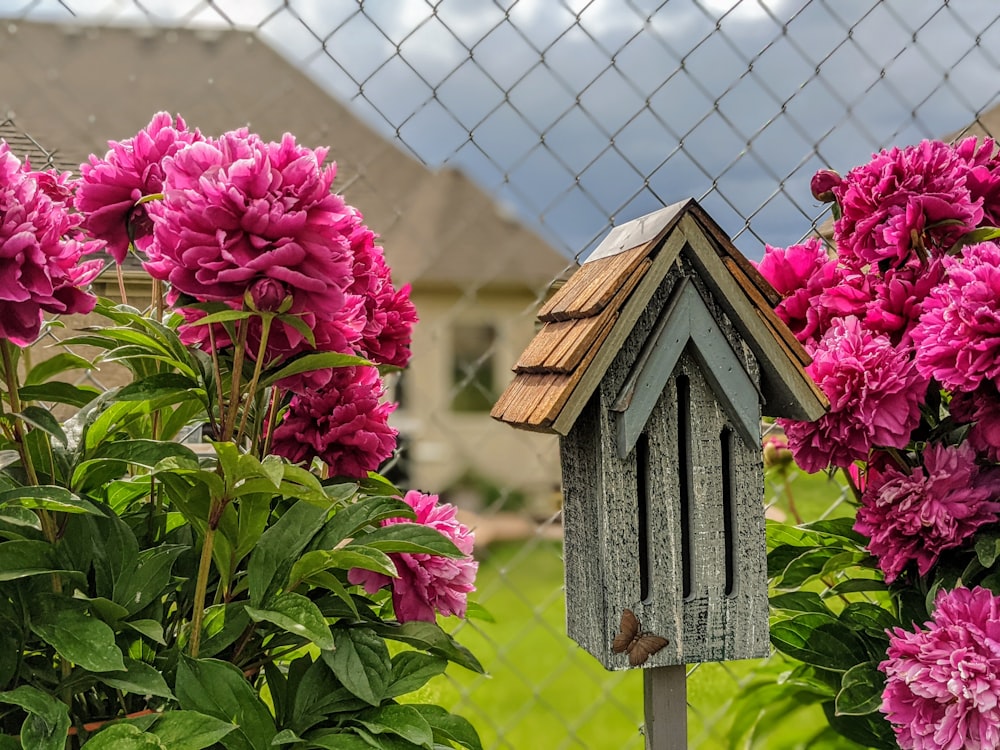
(728, 509)
(686, 480)
(642, 486)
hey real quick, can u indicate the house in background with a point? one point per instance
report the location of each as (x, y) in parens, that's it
(477, 274)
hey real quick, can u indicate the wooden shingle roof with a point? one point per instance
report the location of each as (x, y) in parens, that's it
(586, 322)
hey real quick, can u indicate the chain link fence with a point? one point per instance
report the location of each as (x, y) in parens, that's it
(493, 144)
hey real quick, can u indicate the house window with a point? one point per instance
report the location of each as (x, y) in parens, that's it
(473, 385)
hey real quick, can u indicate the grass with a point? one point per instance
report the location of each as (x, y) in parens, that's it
(543, 691)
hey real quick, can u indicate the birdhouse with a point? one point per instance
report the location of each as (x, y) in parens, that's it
(654, 364)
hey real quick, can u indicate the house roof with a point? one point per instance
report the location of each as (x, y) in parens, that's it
(586, 322)
(73, 88)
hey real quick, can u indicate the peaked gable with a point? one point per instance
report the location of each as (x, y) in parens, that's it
(587, 321)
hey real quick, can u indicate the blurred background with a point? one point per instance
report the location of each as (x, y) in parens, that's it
(492, 144)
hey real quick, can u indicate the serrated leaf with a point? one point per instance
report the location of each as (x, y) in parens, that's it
(297, 614)
(361, 663)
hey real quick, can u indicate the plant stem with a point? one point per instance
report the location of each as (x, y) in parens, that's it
(201, 585)
(266, 320)
(234, 391)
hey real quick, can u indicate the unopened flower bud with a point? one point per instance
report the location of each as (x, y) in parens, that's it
(268, 295)
(823, 183)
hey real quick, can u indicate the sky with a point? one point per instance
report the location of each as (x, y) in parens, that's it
(579, 115)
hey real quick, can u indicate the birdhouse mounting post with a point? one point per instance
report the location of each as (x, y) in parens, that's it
(665, 707)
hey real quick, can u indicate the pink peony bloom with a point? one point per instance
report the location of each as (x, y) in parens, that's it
(983, 179)
(958, 337)
(981, 410)
(943, 681)
(133, 168)
(345, 424)
(918, 515)
(898, 298)
(39, 251)
(800, 274)
(875, 394)
(904, 199)
(389, 315)
(427, 583)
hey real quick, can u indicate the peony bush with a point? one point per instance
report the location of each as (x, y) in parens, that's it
(266, 587)
(890, 619)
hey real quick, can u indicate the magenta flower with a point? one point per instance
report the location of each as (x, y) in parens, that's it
(110, 187)
(983, 179)
(917, 515)
(958, 336)
(943, 681)
(40, 251)
(344, 424)
(389, 315)
(875, 394)
(427, 583)
(902, 195)
(981, 410)
(801, 274)
(899, 296)
(823, 183)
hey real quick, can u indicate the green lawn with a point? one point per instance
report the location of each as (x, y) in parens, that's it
(543, 691)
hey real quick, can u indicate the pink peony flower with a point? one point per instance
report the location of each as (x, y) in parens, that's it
(983, 179)
(239, 210)
(958, 336)
(389, 315)
(898, 298)
(110, 187)
(427, 583)
(943, 681)
(800, 274)
(874, 391)
(981, 410)
(918, 515)
(901, 200)
(40, 251)
(345, 424)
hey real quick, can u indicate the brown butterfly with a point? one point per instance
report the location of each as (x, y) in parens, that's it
(639, 646)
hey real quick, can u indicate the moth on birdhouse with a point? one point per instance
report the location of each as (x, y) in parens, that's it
(654, 364)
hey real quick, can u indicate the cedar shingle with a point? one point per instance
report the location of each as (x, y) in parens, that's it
(589, 290)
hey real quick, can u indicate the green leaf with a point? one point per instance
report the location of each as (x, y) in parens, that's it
(310, 362)
(151, 629)
(223, 316)
(148, 577)
(853, 585)
(340, 741)
(139, 678)
(800, 601)
(411, 670)
(987, 548)
(297, 614)
(43, 420)
(449, 728)
(23, 558)
(345, 558)
(124, 736)
(219, 689)
(807, 565)
(842, 528)
(861, 690)
(279, 547)
(161, 385)
(414, 538)
(820, 640)
(400, 720)
(223, 624)
(48, 497)
(77, 636)
(190, 730)
(361, 663)
(869, 619)
(60, 393)
(48, 720)
(348, 521)
(870, 730)
(286, 737)
(54, 365)
(430, 637)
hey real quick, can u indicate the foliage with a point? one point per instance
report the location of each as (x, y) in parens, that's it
(160, 592)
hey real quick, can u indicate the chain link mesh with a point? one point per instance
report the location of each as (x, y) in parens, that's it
(572, 116)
